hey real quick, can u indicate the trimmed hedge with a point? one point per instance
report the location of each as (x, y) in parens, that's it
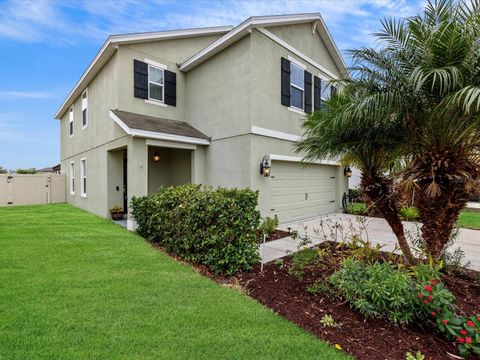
(214, 227)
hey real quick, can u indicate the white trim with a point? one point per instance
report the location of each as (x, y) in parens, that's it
(84, 107)
(110, 46)
(171, 145)
(155, 64)
(300, 159)
(298, 53)
(71, 120)
(71, 172)
(157, 135)
(296, 62)
(171, 137)
(155, 102)
(156, 83)
(243, 29)
(83, 176)
(296, 110)
(274, 134)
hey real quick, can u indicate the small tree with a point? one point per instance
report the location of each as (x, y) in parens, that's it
(3, 170)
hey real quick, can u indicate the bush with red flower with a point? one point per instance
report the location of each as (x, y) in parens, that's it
(437, 302)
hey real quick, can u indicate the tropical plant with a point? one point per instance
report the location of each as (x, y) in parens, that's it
(419, 93)
(409, 213)
(370, 144)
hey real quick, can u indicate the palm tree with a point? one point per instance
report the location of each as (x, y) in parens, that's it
(424, 80)
(371, 145)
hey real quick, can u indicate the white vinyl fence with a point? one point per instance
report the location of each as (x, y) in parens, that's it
(31, 189)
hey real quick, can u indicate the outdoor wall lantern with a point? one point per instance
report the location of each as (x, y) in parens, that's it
(265, 166)
(348, 172)
(156, 157)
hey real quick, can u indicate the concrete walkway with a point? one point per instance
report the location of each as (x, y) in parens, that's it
(342, 226)
(473, 206)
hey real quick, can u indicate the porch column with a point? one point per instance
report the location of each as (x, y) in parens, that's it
(137, 174)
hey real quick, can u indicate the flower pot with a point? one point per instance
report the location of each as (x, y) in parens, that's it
(116, 216)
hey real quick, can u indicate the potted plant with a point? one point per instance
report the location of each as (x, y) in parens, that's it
(116, 212)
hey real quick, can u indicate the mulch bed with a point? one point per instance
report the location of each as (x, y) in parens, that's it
(370, 339)
(364, 339)
(277, 234)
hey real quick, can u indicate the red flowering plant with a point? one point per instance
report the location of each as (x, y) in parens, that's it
(436, 303)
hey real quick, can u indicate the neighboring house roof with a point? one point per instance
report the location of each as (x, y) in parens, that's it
(54, 168)
(267, 21)
(158, 128)
(110, 47)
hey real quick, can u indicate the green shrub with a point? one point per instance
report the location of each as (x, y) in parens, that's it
(377, 290)
(214, 227)
(269, 225)
(358, 209)
(301, 260)
(409, 213)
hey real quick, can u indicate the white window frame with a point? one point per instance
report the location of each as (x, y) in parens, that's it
(301, 66)
(162, 69)
(84, 108)
(71, 121)
(83, 177)
(72, 177)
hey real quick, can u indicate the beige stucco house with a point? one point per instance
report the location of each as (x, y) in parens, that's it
(203, 106)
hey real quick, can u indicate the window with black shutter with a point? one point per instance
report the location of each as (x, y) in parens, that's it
(170, 88)
(140, 79)
(285, 77)
(308, 92)
(317, 93)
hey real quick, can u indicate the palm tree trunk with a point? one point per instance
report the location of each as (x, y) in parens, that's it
(378, 188)
(439, 216)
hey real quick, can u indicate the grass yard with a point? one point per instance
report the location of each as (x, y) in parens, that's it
(75, 286)
(469, 219)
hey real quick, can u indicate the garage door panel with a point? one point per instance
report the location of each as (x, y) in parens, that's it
(291, 181)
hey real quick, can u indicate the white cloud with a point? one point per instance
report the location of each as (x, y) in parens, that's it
(14, 95)
(45, 20)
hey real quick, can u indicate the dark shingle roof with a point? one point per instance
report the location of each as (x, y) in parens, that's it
(156, 124)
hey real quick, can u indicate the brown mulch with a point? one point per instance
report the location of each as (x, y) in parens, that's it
(372, 339)
(364, 339)
(277, 234)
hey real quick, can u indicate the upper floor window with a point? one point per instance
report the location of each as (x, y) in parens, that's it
(84, 109)
(155, 83)
(297, 86)
(83, 178)
(72, 178)
(70, 122)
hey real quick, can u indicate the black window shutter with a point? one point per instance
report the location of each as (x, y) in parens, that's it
(308, 92)
(317, 93)
(285, 82)
(140, 79)
(170, 88)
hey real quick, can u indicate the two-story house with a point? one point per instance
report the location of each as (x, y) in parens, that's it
(210, 106)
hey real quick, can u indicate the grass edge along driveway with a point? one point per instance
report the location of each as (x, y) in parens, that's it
(75, 286)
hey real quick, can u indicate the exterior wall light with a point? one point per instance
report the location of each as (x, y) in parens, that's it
(156, 157)
(265, 167)
(347, 172)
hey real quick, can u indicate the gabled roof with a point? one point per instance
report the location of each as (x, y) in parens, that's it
(111, 44)
(157, 128)
(262, 22)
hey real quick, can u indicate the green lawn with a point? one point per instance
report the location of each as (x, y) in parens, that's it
(74, 286)
(469, 219)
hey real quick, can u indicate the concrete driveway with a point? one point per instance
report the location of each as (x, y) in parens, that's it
(342, 226)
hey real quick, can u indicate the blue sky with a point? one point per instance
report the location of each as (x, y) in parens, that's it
(46, 45)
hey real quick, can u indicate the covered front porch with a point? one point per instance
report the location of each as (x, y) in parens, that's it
(147, 160)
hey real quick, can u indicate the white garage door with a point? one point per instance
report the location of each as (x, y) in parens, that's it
(300, 192)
